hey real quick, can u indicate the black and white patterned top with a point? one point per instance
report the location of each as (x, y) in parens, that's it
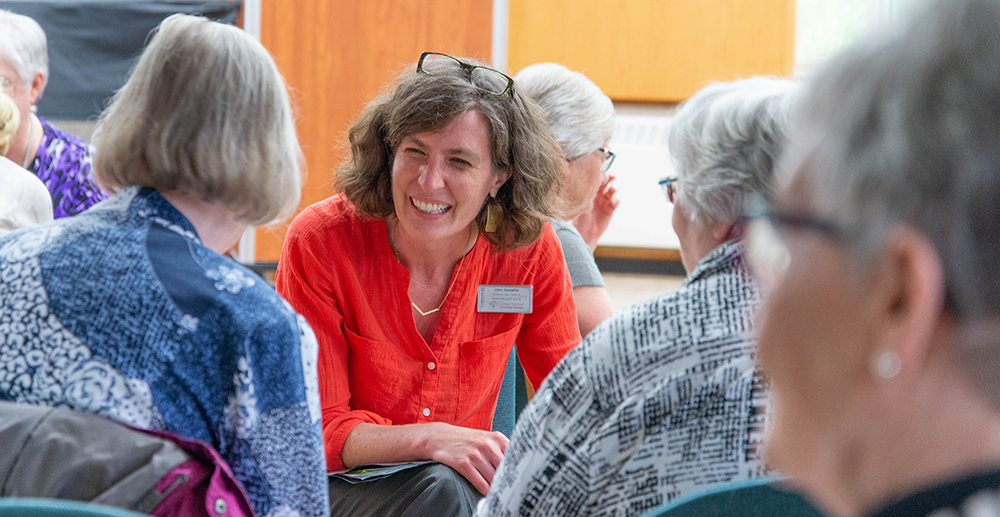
(659, 401)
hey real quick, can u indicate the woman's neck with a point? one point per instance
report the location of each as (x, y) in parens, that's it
(425, 257)
(216, 225)
(950, 431)
(24, 146)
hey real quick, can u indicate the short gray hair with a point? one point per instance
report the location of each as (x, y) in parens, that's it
(907, 131)
(23, 45)
(204, 112)
(580, 116)
(726, 141)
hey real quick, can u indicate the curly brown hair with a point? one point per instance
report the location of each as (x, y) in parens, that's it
(416, 102)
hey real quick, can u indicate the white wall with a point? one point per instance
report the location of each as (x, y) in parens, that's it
(824, 27)
(642, 159)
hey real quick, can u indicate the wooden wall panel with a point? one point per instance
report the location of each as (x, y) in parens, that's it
(337, 54)
(655, 50)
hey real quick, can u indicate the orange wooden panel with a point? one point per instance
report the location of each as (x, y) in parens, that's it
(655, 50)
(337, 54)
(623, 252)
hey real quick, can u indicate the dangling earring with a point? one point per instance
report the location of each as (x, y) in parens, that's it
(886, 365)
(33, 108)
(493, 214)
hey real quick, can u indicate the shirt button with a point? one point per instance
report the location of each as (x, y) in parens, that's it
(431, 365)
(427, 411)
(220, 506)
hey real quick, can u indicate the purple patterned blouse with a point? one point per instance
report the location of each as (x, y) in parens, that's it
(63, 165)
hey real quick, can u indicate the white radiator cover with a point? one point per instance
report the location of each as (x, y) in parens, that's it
(643, 158)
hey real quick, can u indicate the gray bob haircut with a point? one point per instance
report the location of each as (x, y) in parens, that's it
(906, 131)
(580, 116)
(23, 45)
(726, 141)
(205, 112)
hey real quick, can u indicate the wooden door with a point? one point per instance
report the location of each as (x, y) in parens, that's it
(337, 54)
(655, 50)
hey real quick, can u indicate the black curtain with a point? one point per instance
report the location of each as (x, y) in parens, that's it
(93, 45)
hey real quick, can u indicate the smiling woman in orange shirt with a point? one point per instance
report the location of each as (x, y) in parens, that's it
(419, 278)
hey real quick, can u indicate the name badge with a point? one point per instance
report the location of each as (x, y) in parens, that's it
(504, 298)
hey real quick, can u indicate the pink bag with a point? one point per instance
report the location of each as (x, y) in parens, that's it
(202, 486)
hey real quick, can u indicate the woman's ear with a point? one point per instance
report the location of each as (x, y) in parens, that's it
(498, 180)
(908, 291)
(37, 85)
(722, 231)
(565, 170)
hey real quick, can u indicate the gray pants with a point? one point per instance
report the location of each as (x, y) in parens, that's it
(432, 490)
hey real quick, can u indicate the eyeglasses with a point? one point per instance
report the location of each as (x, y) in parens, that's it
(767, 253)
(485, 79)
(609, 158)
(669, 186)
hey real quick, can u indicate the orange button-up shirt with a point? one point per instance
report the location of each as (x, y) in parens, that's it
(338, 271)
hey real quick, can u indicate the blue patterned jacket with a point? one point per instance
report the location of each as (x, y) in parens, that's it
(121, 311)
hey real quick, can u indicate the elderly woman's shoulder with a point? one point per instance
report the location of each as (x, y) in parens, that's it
(547, 247)
(68, 145)
(665, 333)
(243, 295)
(16, 179)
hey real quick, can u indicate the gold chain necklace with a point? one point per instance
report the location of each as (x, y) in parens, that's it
(452, 284)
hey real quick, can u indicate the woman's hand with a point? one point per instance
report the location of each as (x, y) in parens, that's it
(472, 453)
(592, 224)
